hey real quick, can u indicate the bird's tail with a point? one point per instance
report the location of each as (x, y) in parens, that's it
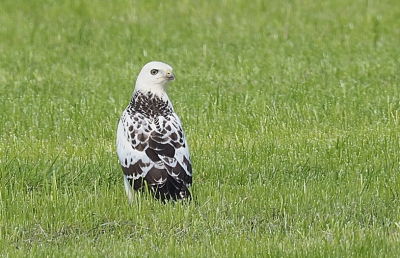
(173, 190)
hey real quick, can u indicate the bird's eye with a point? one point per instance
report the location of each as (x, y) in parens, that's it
(154, 72)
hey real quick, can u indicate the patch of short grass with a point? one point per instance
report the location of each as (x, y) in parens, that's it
(291, 110)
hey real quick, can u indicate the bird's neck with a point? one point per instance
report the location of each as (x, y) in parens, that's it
(156, 89)
(151, 104)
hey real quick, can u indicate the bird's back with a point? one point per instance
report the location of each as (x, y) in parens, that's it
(152, 148)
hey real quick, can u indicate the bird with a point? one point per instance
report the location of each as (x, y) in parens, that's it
(151, 144)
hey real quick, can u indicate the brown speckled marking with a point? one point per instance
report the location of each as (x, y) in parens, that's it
(168, 175)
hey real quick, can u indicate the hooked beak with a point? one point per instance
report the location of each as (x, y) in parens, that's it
(170, 75)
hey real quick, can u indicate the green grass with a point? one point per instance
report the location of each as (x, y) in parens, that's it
(291, 109)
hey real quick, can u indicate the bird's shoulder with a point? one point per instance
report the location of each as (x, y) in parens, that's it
(150, 105)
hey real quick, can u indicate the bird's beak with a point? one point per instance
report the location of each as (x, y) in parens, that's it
(170, 75)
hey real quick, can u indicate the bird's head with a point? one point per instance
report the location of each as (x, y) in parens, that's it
(154, 77)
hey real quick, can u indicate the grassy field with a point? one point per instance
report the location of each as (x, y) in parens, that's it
(291, 110)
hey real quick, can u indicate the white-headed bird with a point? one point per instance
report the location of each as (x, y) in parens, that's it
(151, 145)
